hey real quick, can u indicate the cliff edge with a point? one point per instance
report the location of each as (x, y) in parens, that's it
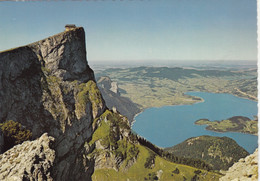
(48, 87)
(113, 99)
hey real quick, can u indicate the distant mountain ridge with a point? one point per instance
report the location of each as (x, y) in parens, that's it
(175, 73)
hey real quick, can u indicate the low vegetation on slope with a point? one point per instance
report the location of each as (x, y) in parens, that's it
(113, 142)
(118, 155)
(13, 133)
(220, 152)
(161, 170)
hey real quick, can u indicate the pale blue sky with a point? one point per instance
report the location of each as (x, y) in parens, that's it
(140, 30)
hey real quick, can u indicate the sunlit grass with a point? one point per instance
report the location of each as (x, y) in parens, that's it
(139, 172)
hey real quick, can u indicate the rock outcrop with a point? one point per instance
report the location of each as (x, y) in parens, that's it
(246, 169)
(48, 86)
(31, 160)
(106, 83)
(111, 95)
(111, 142)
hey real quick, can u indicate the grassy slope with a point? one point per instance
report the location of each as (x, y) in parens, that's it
(136, 171)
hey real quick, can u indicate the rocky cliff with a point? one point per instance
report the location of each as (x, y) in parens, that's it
(245, 169)
(31, 160)
(47, 86)
(111, 95)
(106, 83)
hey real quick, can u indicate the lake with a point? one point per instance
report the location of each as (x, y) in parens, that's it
(170, 125)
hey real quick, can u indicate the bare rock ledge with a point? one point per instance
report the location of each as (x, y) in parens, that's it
(31, 160)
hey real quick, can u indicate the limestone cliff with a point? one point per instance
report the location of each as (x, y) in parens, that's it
(48, 86)
(106, 83)
(246, 169)
(111, 95)
(31, 160)
(112, 142)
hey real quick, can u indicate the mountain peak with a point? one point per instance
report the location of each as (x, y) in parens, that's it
(63, 54)
(48, 87)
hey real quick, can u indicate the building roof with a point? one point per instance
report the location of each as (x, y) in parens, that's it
(70, 26)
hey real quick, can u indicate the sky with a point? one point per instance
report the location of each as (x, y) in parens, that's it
(132, 30)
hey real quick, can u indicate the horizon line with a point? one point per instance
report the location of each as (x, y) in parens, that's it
(174, 60)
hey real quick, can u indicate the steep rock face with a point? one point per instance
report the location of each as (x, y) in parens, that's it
(48, 86)
(112, 142)
(31, 160)
(113, 99)
(106, 83)
(246, 169)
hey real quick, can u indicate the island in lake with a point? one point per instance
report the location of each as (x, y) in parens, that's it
(234, 124)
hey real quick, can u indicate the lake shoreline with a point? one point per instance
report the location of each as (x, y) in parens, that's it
(191, 103)
(134, 120)
(159, 121)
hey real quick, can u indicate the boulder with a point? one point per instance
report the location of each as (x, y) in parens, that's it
(31, 160)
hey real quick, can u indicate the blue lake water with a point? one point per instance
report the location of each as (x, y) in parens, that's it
(170, 125)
